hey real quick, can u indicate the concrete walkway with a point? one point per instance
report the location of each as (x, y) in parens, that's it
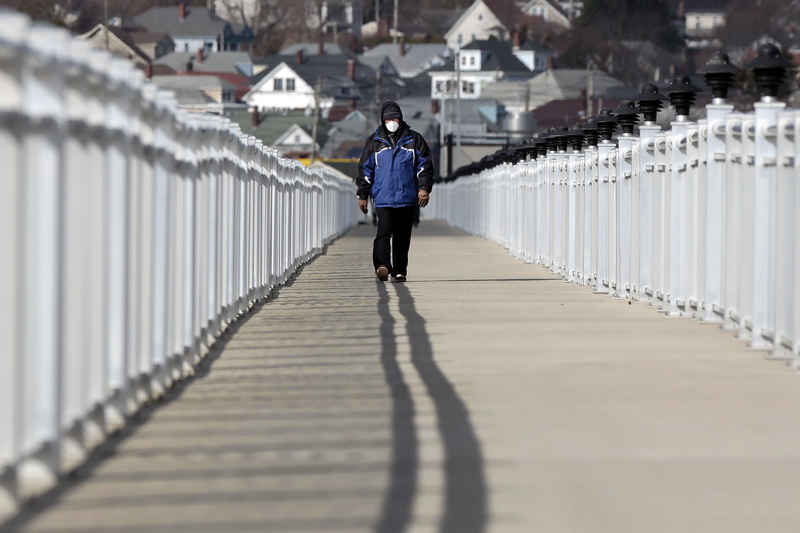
(484, 395)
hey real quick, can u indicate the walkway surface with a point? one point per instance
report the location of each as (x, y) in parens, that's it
(484, 395)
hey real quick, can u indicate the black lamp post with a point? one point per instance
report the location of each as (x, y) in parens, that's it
(575, 137)
(769, 70)
(606, 125)
(719, 74)
(590, 131)
(627, 115)
(650, 102)
(682, 95)
(541, 144)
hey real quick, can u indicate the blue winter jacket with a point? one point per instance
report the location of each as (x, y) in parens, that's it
(393, 173)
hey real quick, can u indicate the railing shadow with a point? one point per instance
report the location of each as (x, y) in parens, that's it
(466, 495)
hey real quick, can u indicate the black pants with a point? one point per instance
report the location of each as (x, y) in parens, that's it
(393, 239)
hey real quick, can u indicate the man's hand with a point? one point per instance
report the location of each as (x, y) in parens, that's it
(362, 205)
(424, 196)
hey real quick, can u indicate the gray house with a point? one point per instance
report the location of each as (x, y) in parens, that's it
(195, 28)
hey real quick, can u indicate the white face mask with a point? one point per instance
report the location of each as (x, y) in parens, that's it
(392, 126)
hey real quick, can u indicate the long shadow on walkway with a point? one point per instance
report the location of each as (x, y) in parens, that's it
(465, 505)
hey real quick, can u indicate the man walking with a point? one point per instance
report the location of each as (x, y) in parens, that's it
(396, 170)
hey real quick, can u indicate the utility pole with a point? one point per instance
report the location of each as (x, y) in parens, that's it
(589, 87)
(394, 23)
(315, 124)
(458, 107)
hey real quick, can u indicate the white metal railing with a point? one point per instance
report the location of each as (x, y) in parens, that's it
(700, 221)
(131, 235)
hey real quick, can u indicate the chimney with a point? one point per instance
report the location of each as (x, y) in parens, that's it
(182, 11)
(351, 69)
(352, 104)
(148, 71)
(434, 107)
(199, 55)
(517, 39)
(299, 56)
(549, 62)
(402, 43)
(256, 117)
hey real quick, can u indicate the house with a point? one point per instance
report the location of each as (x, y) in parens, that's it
(482, 63)
(240, 63)
(117, 41)
(193, 28)
(381, 64)
(198, 93)
(335, 17)
(297, 142)
(154, 44)
(549, 11)
(409, 60)
(238, 83)
(701, 24)
(291, 129)
(550, 85)
(293, 83)
(485, 19)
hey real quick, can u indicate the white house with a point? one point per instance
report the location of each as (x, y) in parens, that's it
(549, 11)
(480, 63)
(295, 139)
(484, 19)
(283, 88)
(703, 23)
(292, 84)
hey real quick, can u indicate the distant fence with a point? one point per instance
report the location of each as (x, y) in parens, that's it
(131, 235)
(702, 220)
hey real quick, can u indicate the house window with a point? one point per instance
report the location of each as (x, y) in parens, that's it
(438, 87)
(277, 84)
(472, 61)
(290, 84)
(480, 16)
(697, 23)
(467, 87)
(298, 139)
(463, 60)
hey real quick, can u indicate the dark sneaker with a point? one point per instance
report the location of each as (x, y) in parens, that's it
(399, 277)
(383, 273)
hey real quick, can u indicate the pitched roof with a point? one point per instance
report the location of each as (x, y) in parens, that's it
(231, 62)
(497, 56)
(122, 36)
(273, 125)
(147, 37)
(506, 11)
(240, 83)
(331, 69)
(416, 55)
(189, 91)
(313, 49)
(199, 21)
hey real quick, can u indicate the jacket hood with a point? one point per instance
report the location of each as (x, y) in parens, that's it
(392, 109)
